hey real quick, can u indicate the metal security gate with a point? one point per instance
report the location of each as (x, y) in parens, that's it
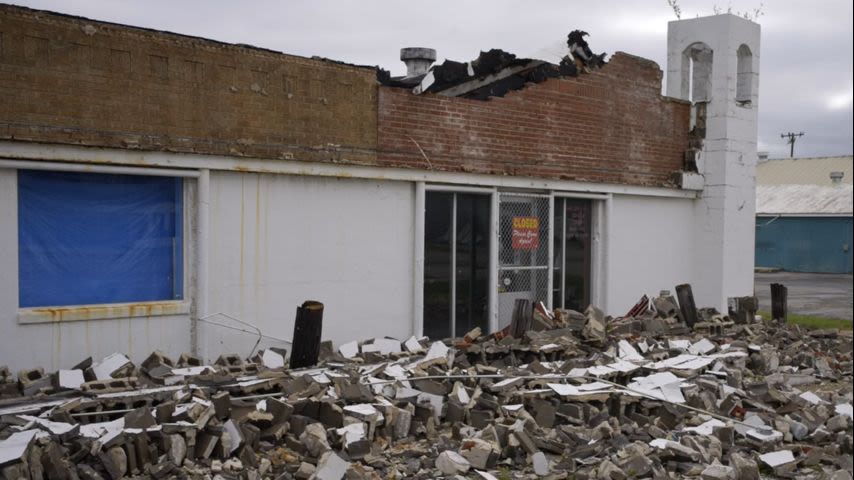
(524, 251)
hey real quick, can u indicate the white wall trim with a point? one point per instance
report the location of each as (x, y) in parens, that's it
(598, 252)
(457, 189)
(453, 241)
(804, 215)
(494, 220)
(587, 196)
(201, 258)
(418, 262)
(135, 158)
(97, 168)
(604, 261)
(551, 265)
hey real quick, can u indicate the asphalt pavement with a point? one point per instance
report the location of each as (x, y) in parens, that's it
(819, 294)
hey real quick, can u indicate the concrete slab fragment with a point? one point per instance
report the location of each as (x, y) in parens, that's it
(702, 347)
(105, 368)
(412, 345)
(775, 459)
(349, 350)
(705, 428)
(628, 352)
(812, 398)
(272, 359)
(13, 448)
(71, 379)
(331, 467)
(845, 409)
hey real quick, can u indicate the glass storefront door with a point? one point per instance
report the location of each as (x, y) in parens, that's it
(572, 253)
(456, 263)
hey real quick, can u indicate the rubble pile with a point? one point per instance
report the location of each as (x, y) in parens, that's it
(570, 395)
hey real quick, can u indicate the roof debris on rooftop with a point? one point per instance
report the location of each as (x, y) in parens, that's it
(495, 72)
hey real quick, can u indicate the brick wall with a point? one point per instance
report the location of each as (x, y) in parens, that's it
(610, 126)
(75, 81)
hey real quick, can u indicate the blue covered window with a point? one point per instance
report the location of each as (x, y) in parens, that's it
(86, 238)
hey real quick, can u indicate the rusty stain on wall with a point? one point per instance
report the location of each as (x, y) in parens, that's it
(97, 312)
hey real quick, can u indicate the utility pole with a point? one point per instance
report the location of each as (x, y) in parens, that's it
(791, 141)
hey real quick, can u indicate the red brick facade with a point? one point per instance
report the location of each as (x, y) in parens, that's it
(75, 81)
(609, 126)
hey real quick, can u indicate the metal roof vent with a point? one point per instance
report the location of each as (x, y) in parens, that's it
(417, 60)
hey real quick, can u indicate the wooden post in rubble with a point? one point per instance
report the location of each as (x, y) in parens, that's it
(307, 330)
(742, 310)
(779, 302)
(686, 304)
(523, 318)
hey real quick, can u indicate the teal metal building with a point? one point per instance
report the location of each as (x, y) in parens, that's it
(804, 244)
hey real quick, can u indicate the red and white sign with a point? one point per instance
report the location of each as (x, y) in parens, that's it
(526, 233)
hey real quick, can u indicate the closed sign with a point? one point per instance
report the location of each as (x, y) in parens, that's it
(526, 233)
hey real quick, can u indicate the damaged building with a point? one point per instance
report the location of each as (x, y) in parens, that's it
(161, 191)
(166, 200)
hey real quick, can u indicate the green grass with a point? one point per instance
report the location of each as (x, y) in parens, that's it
(809, 321)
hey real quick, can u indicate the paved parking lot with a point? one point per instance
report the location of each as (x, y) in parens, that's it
(821, 294)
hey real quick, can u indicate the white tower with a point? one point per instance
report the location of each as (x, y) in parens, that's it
(714, 63)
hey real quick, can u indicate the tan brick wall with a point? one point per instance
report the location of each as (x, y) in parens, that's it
(74, 81)
(610, 126)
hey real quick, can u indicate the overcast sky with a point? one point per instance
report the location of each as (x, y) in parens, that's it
(805, 84)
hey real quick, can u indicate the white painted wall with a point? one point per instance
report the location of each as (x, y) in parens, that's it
(274, 241)
(63, 344)
(277, 240)
(725, 212)
(649, 248)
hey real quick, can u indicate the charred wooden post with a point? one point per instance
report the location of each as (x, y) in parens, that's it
(686, 304)
(307, 330)
(523, 318)
(779, 302)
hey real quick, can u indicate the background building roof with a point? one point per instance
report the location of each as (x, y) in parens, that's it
(803, 186)
(804, 171)
(804, 200)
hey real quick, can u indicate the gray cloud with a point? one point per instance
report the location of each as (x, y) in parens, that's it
(806, 54)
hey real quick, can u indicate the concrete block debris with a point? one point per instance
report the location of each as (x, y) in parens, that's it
(570, 395)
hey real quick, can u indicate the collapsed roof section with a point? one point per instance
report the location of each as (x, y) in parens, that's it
(491, 74)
